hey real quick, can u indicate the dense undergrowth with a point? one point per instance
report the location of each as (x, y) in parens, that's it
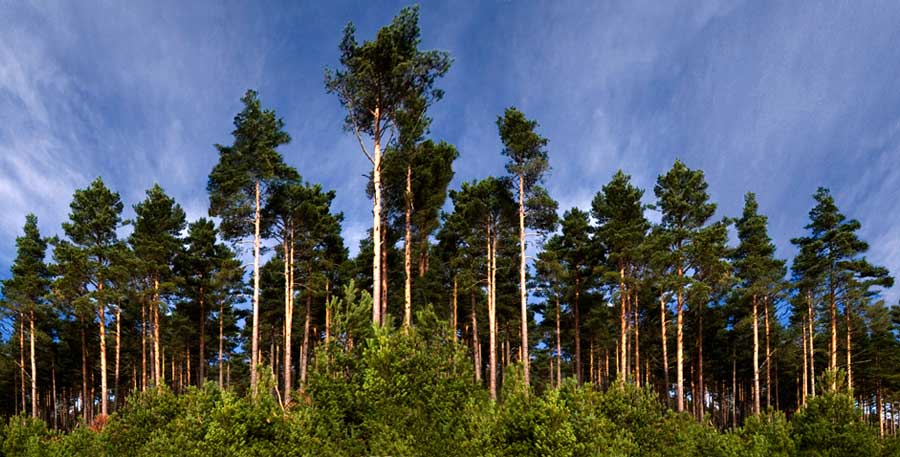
(409, 395)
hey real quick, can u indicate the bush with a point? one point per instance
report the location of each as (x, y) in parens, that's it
(830, 426)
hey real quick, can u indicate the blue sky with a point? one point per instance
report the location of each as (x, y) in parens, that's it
(772, 97)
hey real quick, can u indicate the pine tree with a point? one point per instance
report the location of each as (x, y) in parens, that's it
(95, 215)
(830, 257)
(577, 258)
(757, 269)
(685, 207)
(527, 165)
(238, 183)
(376, 80)
(27, 289)
(621, 228)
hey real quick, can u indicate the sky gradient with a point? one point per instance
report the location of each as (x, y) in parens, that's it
(777, 98)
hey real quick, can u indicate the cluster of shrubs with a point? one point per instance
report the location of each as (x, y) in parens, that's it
(405, 394)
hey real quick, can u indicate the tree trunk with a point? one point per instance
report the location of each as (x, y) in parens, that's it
(755, 358)
(143, 345)
(849, 352)
(812, 352)
(384, 276)
(453, 318)
(523, 292)
(376, 221)
(254, 345)
(118, 354)
(665, 352)
(637, 340)
(679, 343)
(34, 394)
(623, 325)
(304, 350)
(476, 343)
(558, 347)
(84, 372)
(407, 251)
(577, 309)
(492, 317)
(327, 311)
(104, 393)
(22, 359)
(768, 354)
(221, 344)
(804, 392)
(287, 246)
(157, 360)
(833, 311)
(201, 356)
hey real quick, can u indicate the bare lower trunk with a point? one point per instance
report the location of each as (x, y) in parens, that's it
(287, 245)
(492, 317)
(221, 345)
(254, 345)
(84, 374)
(679, 343)
(22, 359)
(623, 325)
(637, 340)
(376, 222)
(143, 346)
(118, 355)
(407, 252)
(157, 361)
(665, 353)
(104, 393)
(768, 354)
(812, 351)
(833, 348)
(304, 349)
(849, 352)
(476, 343)
(327, 311)
(558, 347)
(453, 318)
(34, 394)
(755, 359)
(523, 291)
(804, 391)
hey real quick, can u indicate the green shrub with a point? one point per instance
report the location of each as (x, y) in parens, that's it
(830, 426)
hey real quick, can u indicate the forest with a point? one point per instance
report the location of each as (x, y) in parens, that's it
(478, 320)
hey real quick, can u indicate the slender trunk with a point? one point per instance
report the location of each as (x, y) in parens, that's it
(157, 362)
(755, 358)
(804, 391)
(104, 393)
(201, 356)
(34, 394)
(143, 345)
(287, 246)
(879, 405)
(623, 325)
(849, 351)
(254, 345)
(833, 312)
(492, 317)
(407, 251)
(665, 352)
(523, 292)
(558, 347)
(118, 355)
(637, 340)
(304, 350)
(768, 353)
(376, 221)
(55, 397)
(577, 308)
(701, 384)
(84, 372)
(454, 318)
(22, 359)
(327, 311)
(679, 343)
(812, 352)
(221, 344)
(476, 343)
(384, 276)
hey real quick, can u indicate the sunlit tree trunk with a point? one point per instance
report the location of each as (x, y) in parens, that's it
(407, 252)
(665, 352)
(492, 316)
(157, 362)
(768, 354)
(476, 343)
(812, 351)
(453, 318)
(833, 311)
(755, 358)
(637, 340)
(523, 292)
(104, 393)
(118, 354)
(304, 351)
(221, 344)
(254, 345)
(558, 347)
(287, 245)
(34, 393)
(376, 220)
(623, 325)
(804, 391)
(679, 343)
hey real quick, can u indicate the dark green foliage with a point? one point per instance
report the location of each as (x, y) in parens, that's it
(830, 426)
